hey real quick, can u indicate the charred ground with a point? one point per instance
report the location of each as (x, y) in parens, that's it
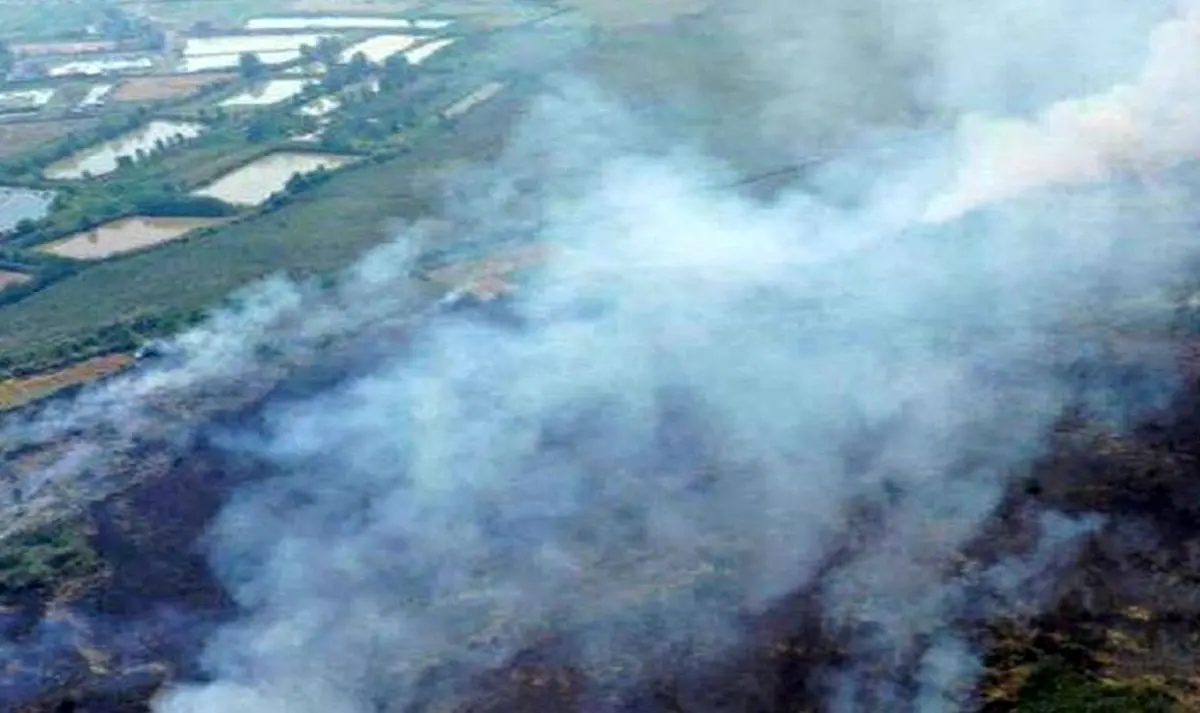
(108, 606)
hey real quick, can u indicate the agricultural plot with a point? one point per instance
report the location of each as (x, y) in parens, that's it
(475, 98)
(158, 88)
(125, 235)
(379, 48)
(9, 278)
(254, 183)
(104, 158)
(101, 66)
(96, 96)
(18, 204)
(24, 101)
(19, 137)
(268, 93)
(15, 392)
(329, 22)
(420, 54)
(237, 44)
(217, 62)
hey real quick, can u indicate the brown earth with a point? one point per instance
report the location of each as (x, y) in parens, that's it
(174, 86)
(18, 137)
(15, 392)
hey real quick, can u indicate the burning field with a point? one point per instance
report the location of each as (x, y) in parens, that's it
(918, 433)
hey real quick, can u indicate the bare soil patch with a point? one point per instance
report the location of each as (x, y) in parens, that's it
(18, 137)
(14, 392)
(165, 87)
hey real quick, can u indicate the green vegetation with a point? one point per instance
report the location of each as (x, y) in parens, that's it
(1057, 688)
(40, 559)
(388, 115)
(251, 68)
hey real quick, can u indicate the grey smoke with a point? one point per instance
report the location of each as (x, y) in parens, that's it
(707, 392)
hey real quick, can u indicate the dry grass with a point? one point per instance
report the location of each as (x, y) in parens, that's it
(491, 277)
(175, 86)
(15, 392)
(18, 137)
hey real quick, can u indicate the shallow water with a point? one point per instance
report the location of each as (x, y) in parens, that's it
(272, 92)
(124, 235)
(101, 159)
(255, 182)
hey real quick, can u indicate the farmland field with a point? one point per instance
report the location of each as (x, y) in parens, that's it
(272, 92)
(8, 279)
(255, 182)
(175, 86)
(17, 391)
(17, 204)
(18, 137)
(124, 236)
(307, 237)
(103, 158)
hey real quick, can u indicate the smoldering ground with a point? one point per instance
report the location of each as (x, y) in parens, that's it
(710, 403)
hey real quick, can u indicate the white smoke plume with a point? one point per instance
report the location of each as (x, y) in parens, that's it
(1141, 126)
(704, 395)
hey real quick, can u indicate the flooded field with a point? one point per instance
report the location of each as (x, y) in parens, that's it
(377, 49)
(328, 22)
(211, 62)
(321, 107)
(122, 236)
(17, 204)
(475, 98)
(9, 278)
(96, 67)
(272, 92)
(96, 96)
(255, 182)
(24, 100)
(427, 50)
(102, 159)
(236, 44)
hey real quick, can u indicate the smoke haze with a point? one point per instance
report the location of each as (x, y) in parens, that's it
(709, 401)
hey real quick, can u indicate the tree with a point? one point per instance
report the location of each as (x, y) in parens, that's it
(397, 72)
(328, 50)
(250, 67)
(359, 68)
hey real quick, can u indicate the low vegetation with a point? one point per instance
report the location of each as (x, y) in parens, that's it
(41, 560)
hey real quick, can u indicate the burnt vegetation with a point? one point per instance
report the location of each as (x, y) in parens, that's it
(1120, 634)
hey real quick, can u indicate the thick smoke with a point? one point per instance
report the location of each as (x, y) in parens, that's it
(1142, 126)
(708, 403)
